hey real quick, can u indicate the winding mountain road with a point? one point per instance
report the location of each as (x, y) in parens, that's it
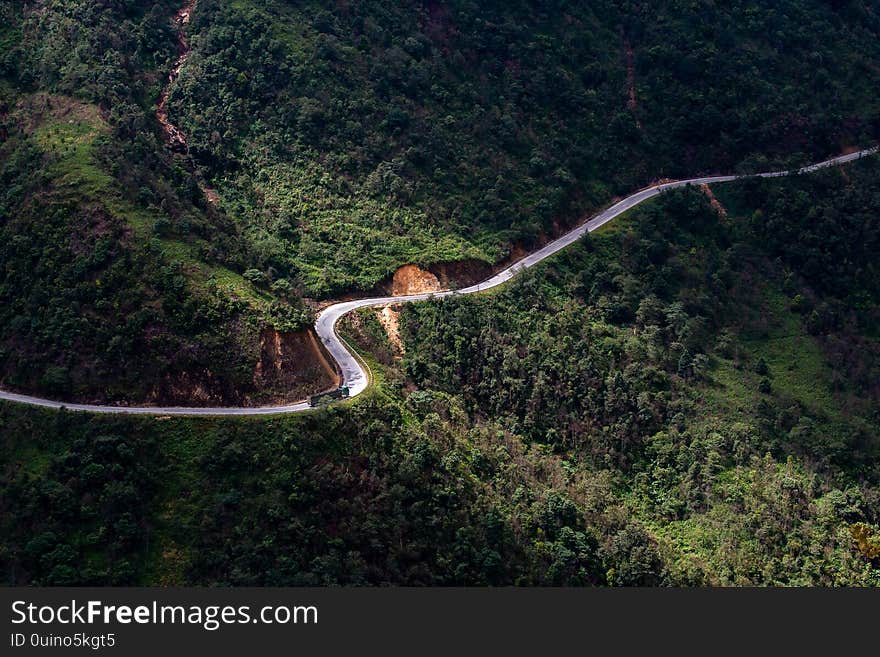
(353, 373)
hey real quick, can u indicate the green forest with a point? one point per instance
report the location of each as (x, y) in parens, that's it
(689, 396)
(351, 138)
(119, 282)
(343, 140)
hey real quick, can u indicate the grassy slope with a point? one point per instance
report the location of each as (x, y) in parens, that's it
(120, 284)
(67, 135)
(766, 327)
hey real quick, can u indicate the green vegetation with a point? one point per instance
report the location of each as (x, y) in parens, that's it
(722, 370)
(349, 139)
(118, 282)
(686, 397)
(602, 420)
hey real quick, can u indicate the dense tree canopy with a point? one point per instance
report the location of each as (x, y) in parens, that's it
(657, 405)
(352, 138)
(688, 397)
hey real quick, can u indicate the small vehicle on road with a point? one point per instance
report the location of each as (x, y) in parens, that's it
(323, 397)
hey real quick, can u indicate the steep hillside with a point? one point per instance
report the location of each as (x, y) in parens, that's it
(152, 231)
(719, 359)
(681, 399)
(351, 138)
(119, 282)
(689, 396)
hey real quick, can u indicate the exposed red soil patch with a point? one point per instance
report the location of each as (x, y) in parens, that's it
(389, 318)
(412, 279)
(191, 388)
(293, 364)
(173, 135)
(290, 367)
(714, 202)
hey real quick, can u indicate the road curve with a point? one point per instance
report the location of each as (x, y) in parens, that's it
(353, 373)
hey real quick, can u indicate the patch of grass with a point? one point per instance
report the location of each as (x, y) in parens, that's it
(68, 133)
(796, 367)
(799, 378)
(795, 362)
(70, 147)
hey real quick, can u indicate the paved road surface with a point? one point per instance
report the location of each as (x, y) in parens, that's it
(353, 373)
